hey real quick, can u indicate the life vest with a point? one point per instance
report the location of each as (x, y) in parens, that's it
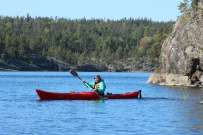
(96, 85)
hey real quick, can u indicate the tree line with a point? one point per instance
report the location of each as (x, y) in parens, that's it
(100, 42)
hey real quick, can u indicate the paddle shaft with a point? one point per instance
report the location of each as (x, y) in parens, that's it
(73, 72)
(85, 83)
(94, 91)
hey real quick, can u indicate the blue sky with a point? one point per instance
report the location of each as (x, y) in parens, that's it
(157, 10)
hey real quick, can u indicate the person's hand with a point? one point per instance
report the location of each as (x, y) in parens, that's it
(94, 90)
(83, 81)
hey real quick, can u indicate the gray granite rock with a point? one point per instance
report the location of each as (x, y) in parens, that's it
(181, 58)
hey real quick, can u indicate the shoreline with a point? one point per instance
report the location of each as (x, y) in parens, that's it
(77, 71)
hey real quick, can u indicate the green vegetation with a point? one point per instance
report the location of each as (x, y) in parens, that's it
(201, 48)
(188, 5)
(97, 41)
(186, 96)
(201, 11)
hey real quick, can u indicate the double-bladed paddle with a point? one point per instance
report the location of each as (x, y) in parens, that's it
(74, 73)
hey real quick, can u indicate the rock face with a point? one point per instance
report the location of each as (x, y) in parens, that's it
(181, 58)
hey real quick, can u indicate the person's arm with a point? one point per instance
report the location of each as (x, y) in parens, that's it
(102, 87)
(90, 84)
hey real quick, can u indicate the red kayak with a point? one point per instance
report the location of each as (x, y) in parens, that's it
(44, 95)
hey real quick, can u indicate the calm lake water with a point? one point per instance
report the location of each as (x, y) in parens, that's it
(162, 110)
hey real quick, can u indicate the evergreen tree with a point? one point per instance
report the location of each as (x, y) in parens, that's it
(82, 41)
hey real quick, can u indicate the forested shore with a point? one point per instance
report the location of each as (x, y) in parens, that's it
(101, 44)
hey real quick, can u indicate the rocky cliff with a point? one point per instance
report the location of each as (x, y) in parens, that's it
(181, 58)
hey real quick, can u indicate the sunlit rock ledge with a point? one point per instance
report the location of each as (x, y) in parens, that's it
(172, 80)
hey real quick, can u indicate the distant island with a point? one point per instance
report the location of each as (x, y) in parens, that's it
(58, 44)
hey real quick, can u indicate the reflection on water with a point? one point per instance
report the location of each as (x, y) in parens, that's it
(98, 102)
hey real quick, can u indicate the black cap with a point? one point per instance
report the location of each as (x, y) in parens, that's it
(98, 77)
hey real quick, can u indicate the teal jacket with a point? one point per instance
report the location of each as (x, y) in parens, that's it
(101, 86)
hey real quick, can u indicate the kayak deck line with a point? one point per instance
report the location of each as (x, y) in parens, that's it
(44, 95)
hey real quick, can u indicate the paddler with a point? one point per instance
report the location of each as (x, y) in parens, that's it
(97, 86)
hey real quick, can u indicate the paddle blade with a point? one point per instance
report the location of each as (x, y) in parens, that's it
(73, 72)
